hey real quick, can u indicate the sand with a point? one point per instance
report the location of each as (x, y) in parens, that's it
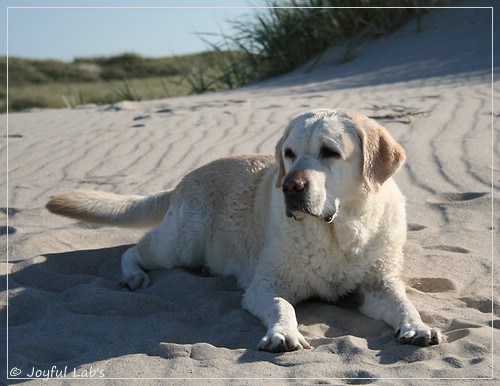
(68, 317)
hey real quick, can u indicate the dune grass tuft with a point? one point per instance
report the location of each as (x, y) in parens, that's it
(287, 34)
(270, 41)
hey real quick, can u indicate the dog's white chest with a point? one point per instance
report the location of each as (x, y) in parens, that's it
(332, 266)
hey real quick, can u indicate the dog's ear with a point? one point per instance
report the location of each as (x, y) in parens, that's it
(382, 155)
(278, 152)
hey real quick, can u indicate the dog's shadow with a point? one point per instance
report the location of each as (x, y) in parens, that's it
(68, 309)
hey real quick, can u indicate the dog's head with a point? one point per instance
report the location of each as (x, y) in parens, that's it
(327, 158)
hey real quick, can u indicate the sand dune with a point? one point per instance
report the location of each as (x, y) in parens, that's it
(431, 89)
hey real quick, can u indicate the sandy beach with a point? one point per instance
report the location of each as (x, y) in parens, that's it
(69, 318)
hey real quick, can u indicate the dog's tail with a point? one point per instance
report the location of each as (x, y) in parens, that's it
(111, 209)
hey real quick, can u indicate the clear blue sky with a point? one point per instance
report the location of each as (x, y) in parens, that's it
(66, 33)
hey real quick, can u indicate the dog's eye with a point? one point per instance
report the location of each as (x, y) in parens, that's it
(289, 154)
(327, 152)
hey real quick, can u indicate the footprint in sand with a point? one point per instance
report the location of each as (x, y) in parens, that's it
(10, 212)
(448, 248)
(484, 305)
(164, 111)
(11, 137)
(359, 377)
(450, 198)
(142, 117)
(454, 362)
(7, 230)
(415, 227)
(4, 229)
(454, 335)
(432, 285)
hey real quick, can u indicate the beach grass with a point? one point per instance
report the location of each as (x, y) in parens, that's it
(56, 84)
(288, 34)
(269, 42)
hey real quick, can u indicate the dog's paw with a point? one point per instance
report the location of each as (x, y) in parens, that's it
(280, 341)
(419, 335)
(136, 280)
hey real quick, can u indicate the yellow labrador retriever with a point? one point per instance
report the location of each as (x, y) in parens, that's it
(322, 218)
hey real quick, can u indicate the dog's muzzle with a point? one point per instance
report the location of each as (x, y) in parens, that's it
(295, 188)
(296, 191)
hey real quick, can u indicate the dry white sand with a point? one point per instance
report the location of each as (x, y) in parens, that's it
(432, 90)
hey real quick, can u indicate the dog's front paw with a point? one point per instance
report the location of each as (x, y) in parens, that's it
(136, 280)
(420, 335)
(283, 340)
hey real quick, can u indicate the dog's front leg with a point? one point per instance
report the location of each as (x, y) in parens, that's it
(278, 315)
(386, 300)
